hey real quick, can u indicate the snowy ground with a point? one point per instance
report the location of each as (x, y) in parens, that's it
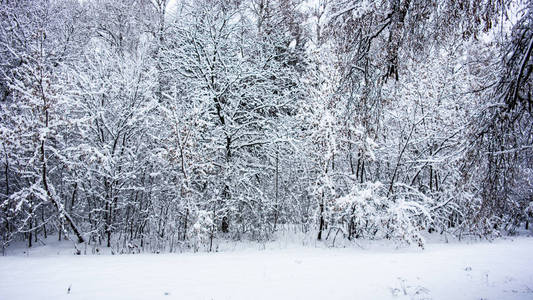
(499, 270)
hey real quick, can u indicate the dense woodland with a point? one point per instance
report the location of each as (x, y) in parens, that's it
(149, 125)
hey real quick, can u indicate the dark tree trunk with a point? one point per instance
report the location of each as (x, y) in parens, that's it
(321, 226)
(30, 235)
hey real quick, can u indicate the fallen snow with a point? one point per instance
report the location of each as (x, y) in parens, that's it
(499, 270)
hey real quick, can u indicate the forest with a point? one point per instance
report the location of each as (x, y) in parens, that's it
(166, 125)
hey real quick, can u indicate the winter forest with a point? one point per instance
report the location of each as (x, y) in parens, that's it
(164, 126)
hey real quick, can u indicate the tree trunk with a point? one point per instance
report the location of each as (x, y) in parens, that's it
(30, 234)
(321, 227)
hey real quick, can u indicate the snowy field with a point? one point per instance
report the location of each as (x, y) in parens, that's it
(502, 269)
